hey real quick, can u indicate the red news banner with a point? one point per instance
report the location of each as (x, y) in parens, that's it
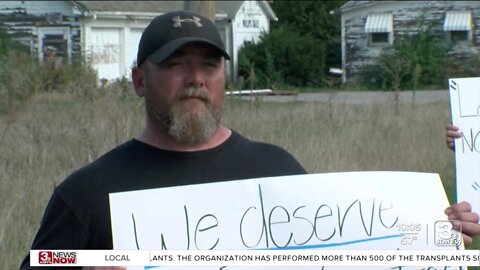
(262, 259)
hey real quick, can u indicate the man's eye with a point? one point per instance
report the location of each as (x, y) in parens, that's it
(211, 64)
(169, 64)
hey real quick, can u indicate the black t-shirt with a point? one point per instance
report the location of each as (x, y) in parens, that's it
(78, 213)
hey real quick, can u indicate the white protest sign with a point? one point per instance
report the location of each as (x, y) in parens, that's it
(358, 210)
(465, 103)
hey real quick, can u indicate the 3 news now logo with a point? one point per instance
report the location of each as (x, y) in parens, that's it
(57, 257)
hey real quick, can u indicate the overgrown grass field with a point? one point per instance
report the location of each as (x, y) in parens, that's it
(51, 134)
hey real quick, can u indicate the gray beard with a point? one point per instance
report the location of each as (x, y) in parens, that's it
(192, 128)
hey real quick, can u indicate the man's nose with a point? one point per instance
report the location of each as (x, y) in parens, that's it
(195, 76)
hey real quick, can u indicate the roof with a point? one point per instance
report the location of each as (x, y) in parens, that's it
(355, 5)
(352, 5)
(232, 7)
(131, 6)
(228, 8)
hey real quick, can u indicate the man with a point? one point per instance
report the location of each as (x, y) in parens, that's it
(181, 76)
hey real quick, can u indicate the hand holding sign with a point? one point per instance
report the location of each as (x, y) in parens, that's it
(468, 220)
(465, 103)
(453, 133)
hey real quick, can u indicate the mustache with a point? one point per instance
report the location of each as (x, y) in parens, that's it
(194, 92)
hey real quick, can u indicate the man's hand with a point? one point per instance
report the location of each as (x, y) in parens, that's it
(469, 220)
(453, 132)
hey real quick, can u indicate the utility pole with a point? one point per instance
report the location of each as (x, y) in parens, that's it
(204, 8)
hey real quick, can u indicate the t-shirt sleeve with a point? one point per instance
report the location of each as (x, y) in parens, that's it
(59, 229)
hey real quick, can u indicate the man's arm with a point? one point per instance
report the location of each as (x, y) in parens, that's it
(59, 229)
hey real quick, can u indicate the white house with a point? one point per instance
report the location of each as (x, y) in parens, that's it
(106, 33)
(244, 21)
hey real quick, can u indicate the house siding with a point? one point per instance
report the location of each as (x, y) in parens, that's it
(110, 45)
(407, 16)
(34, 23)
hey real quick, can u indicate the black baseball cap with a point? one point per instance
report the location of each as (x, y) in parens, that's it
(170, 31)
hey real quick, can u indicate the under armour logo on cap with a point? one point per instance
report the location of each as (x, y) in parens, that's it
(177, 21)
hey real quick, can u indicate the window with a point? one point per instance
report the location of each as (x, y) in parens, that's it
(379, 28)
(379, 38)
(456, 36)
(458, 26)
(54, 43)
(249, 23)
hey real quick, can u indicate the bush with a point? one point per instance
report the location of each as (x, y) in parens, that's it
(462, 66)
(22, 75)
(7, 44)
(283, 57)
(313, 18)
(415, 61)
(17, 78)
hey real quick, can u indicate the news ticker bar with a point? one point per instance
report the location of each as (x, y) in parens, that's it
(307, 257)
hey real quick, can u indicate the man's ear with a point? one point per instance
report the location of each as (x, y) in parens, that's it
(138, 79)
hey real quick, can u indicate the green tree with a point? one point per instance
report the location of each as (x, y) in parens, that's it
(283, 57)
(313, 18)
(299, 49)
(7, 44)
